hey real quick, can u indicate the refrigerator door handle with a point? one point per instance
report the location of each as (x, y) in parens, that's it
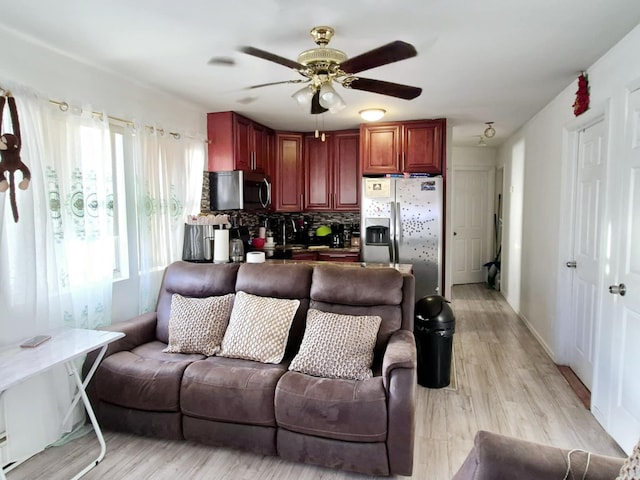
(392, 233)
(398, 229)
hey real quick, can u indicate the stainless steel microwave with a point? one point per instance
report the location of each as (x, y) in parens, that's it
(239, 190)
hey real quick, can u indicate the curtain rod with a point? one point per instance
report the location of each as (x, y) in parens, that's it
(64, 106)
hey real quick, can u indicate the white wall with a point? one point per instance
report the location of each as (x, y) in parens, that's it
(544, 228)
(473, 157)
(61, 78)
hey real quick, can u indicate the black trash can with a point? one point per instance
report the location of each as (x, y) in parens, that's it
(434, 325)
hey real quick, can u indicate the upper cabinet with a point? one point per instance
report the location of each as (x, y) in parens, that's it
(346, 170)
(288, 184)
(331, 172)
(238, 143)
(413, 147)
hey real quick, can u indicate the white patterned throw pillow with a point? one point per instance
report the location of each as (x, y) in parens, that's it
(258, 328)
(337, 346)
(631, 468)
(197, 325)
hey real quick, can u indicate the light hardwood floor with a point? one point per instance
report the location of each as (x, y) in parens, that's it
(505, 382)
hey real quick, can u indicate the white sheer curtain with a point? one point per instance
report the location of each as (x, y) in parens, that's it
(56, 262)
(169, 169)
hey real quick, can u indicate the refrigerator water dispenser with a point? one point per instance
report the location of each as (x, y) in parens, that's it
(377, 235)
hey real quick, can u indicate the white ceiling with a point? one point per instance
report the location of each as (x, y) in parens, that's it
(478, 60)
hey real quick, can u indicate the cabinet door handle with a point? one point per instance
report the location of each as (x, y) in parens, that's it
(301, 201)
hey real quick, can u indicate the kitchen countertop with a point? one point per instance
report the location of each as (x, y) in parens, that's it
(401, 267)
(313, 248)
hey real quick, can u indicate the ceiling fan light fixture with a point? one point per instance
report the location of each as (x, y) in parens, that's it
(303, 96)
(329, 98)
(338, 106)
(489, 132)
(372, 114)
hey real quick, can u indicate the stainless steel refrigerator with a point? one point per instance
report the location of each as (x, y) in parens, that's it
(401, 222)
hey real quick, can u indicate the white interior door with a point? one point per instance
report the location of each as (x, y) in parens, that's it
(589, 211)
(471, 226)
(622, 352)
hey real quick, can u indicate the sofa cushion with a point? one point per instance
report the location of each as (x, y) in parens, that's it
(258, 328)
(631, 467)
(337, 346)
(197, 325)
(357, 286)
(350, 410)
(231, 390)
(144, 378)
(192, 280)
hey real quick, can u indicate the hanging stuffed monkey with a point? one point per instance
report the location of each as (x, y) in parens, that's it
(10, 161)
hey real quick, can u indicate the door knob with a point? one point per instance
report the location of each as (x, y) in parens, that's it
(571, 264)
(618, 289)
(455, 233)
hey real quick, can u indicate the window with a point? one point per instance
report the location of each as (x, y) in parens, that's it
(121, 155)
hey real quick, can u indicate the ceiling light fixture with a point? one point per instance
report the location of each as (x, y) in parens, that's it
(330, 99)
(304, 96)
(372, 114)
(489, 132)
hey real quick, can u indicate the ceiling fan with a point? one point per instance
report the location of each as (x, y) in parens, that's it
(321, 66)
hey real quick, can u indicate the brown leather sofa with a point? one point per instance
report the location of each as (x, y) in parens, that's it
(363, 426)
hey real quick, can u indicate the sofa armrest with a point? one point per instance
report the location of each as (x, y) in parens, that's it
(137, 331)
(495, 456)
(400, 353)
(399, 378)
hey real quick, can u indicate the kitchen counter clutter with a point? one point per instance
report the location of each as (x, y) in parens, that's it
(312, 252)
(404, 268)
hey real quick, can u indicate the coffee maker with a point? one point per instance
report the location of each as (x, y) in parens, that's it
(337, 235)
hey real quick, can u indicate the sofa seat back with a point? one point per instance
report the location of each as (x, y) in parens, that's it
(362, 291)
(288, 281)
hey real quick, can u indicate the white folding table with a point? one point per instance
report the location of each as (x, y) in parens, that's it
(66, 345)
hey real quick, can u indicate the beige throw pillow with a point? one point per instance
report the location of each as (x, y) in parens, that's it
(337, 346)
(197, 325)
(631, 468)
(259, 328)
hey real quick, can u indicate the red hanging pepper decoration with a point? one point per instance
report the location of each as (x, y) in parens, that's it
(581, 104)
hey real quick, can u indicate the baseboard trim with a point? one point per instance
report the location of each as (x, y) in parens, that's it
(576, 385)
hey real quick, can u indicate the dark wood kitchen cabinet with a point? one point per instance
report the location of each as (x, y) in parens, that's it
(288, 182)
(237, 143)
(338, 256)
(413, 146)
(331, 172)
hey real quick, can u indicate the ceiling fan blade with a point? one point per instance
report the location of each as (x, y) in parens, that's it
(224, 61)
(389, 53)
(316, 108)
(260, 85)
(272, 57)
(385, 88)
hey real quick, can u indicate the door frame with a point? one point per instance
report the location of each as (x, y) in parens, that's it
(564, 325)
(490, 170)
